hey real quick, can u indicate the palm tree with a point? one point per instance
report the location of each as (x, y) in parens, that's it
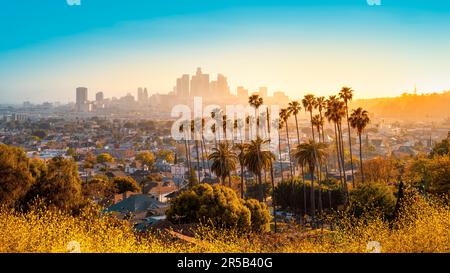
(256, 160)
(318, 123)
(256, 101)
(346, 95)
(334, 113)
(294, 108)
(204, 148)
(182, 130)
(223, 161)
(194, 130)
(284, 117)
(308, 154)
(321, 104)
(309, 102)
(241, 147)
(359, 119)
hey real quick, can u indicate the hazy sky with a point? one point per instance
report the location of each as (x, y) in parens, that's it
(48, 48)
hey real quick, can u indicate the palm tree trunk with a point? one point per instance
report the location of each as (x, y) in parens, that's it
(343, 163)
(242, 179)
(289, 150)
(279, 152)
(312, 125)
(326, 166)
(338, 154)
(273, 197)
(198, 160)
(360, 158)
(319, 177)
(313, 198)
(304, 191)
(350, 144)
(261, 193)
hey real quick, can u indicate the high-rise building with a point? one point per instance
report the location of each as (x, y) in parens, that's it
(220, 87)
(82, 103)
(182, 88)
(242, 93)
(99, 97)
(200, 84)
(142, 95)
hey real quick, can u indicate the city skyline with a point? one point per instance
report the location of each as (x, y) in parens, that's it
(294, 46)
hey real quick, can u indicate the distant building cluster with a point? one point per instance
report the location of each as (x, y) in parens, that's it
(186, 87)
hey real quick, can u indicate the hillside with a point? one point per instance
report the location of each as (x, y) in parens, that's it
(434, 106)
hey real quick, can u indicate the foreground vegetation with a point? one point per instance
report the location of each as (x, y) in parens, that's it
(421, 226)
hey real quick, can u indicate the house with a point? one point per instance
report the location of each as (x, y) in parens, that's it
(138, 205)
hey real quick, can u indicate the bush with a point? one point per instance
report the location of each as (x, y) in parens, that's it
(58, 185)
(219, 206)
(16, 178)
(289, 196)
(372, 197)
(124, 184)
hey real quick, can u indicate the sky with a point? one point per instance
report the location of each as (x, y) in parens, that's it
(48, 48)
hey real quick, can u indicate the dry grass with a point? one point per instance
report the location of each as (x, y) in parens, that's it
(422, 227)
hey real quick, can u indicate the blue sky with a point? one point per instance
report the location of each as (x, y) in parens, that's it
(47, 47)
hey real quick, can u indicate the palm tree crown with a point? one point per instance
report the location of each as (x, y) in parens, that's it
(359, 119)
(224, 160)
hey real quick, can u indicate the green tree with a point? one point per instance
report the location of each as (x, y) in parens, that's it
(15, 176)
(125, 184)
(218, 206)
(372, 198)
(58, 185)
(431, 173)
(441, 148)
(99, 188)
(105, 158)
(146, 158)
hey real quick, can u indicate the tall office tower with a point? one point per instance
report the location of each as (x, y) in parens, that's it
(263, 92)
(222, 86)
(99, 97)
(242, 93)
(183, 86)
(82, 104)
(142, 95)
(200, 84)
(145, 94)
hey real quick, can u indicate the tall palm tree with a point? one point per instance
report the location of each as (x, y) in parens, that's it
(346, 95)
(321, 104)
(308, 154)
(359, 120)
(194, 130)
(271, 170)
(309, 103)
(280, 127)
(241, 147)
(284, 117)
(318, 123)
(256, 101)
(294, 108)
(182, 130)
(204, 148)
(224, 161)
(335, 112)
(256, 160)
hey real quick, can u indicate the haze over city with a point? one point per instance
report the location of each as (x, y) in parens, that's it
(312, 46)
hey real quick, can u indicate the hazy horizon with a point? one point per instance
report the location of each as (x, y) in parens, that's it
(49, 49)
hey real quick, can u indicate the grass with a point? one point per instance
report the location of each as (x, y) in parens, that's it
(423, 226)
